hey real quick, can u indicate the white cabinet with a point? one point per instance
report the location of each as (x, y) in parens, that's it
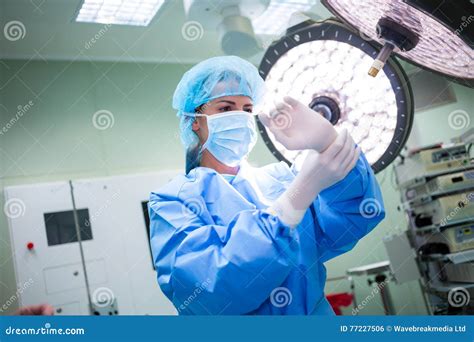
(115, 244)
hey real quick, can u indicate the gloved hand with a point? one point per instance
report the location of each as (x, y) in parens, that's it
(318, 172)
(298, 127)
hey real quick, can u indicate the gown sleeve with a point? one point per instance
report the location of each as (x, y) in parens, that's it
(348, 210)
(218, 268)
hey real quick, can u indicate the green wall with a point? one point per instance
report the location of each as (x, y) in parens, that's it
(56, 140)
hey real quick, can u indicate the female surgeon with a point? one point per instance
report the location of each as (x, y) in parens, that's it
(229, 238)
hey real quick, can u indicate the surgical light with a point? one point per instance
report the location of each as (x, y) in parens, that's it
(434, 34)
(121, 12)
(324, 65)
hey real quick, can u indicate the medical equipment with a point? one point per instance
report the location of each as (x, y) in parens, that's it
(463, 273)
(435, 35)
(116, 259)
(437, 194)
(402, 258)
(443, 210)
(434, 160)
(324, 66)
(440, 185)
(381, 273)
(457, 239)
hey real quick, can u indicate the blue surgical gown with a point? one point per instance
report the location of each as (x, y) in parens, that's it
(218, 251)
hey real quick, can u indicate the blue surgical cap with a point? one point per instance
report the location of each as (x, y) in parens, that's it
(215, 77)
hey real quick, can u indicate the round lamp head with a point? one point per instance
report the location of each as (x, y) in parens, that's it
(324, 65)
(437, 35)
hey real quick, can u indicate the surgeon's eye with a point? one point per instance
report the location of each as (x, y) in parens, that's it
(248, 110)
(225, 109)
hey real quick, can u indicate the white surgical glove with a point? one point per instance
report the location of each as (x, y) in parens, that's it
(298, 127)
(319, 171)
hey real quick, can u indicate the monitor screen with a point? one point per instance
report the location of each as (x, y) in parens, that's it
(60, 227)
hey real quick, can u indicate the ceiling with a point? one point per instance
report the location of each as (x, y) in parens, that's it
(52, 34)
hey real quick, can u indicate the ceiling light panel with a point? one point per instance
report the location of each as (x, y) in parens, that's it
(275, 19)
(119, 12)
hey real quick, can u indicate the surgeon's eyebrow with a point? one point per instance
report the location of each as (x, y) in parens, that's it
(233, 103)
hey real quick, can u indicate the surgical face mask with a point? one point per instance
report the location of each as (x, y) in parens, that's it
(232, 136)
